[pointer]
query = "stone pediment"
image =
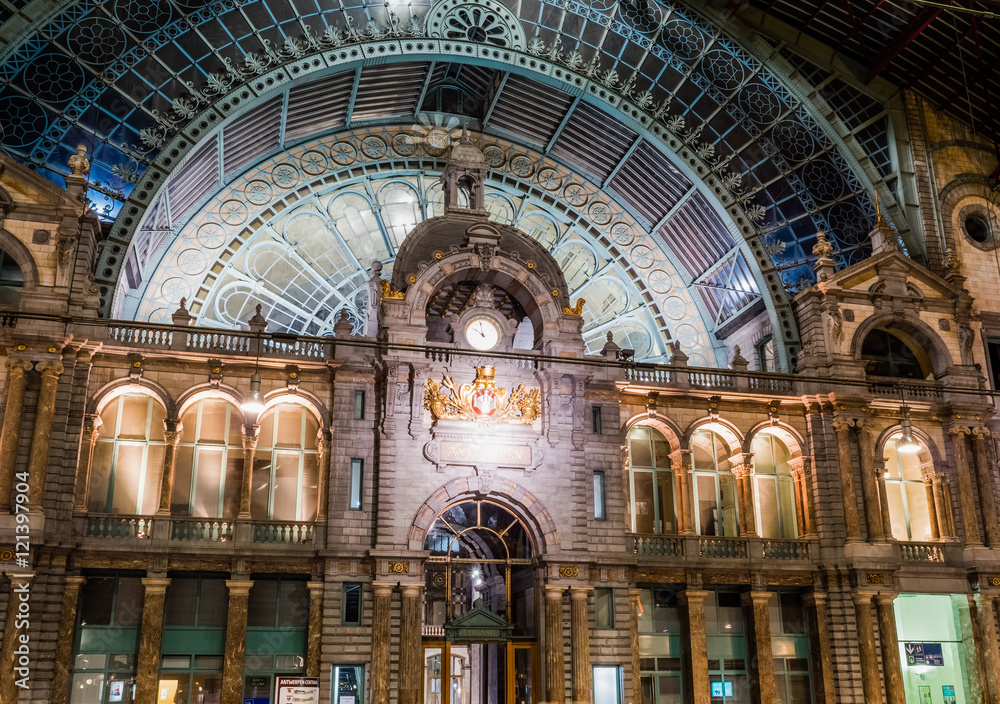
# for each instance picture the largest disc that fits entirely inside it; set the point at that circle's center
(478, 624)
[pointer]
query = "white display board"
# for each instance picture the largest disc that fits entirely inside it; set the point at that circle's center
(295, 689)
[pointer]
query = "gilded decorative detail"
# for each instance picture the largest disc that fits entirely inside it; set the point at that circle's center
(575, 310)
(402, 567)
(569, 572)
(876, 578)
(482, 400)
(387, 291)
(994, 581)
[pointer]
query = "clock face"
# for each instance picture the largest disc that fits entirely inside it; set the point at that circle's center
(482, 333)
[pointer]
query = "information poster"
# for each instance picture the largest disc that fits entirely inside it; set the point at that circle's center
(295, 689)
(948, 690)
(925, 694)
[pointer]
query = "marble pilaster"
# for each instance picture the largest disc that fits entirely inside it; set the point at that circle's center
(870, 485)
(410, 663)
(966, 493)
(250, 438)
(755, 610)
(10, 432)
(381, 630)
(982, 609)
(987, 490)
(852, 523)
(634, 607)
(580, 642)
(891, 671)
(147, 676)
(314, 636)
(63, 658)
(236, 641)
(870, 684)
(818, 621)
(20, 585)
(41, 437)
(694, 658)
(555, 688)
(932, 510)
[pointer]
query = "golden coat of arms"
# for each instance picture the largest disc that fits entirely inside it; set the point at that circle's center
(482, 400)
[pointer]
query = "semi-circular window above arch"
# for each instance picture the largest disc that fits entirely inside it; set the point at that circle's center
(891, 353)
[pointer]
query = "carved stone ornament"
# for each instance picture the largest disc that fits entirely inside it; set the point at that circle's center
(487, 477)
(402, 567)
(481, 401)
(387, 291)
(575, 310)
(569, 572)
(79, 165)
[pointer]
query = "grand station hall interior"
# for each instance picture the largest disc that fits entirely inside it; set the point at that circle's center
(499, 352)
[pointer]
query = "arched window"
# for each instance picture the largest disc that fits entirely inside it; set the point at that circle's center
(128, 458)
(209, 464)
(774, 489)
(479, 550)
(889, 353)
(714, 485)
(286, 465)
(904, 488)
(651, 482)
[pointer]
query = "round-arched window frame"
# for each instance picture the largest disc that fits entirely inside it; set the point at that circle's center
(887, 353)
(978, 224)
(653, 506)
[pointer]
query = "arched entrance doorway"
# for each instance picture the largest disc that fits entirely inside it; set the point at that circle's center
(479, 642)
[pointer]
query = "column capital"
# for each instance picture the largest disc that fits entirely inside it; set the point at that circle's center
(92, 425)
(239, 587)
(74, 582)
(155, 585)
(172, 434)
(250, 436)
(842, 425)
(18, 366)
(634, 594)
(383, 588)
(411, 591)
(580, 591)
(862, 598)
(959, 431)
(315, 587)
(554, 591)
(980, 433)
(691, 596)
(51, 369)
(755, 597)
(883, 598)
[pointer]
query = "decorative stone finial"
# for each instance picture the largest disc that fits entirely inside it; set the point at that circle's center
(343, 327)
(678, 358)
(823, 248)
(739, 362)
(182, 316)
(883, 237)
(951, 261)
(258, 322)
(823, 266)
(79, 164)
(610, 349)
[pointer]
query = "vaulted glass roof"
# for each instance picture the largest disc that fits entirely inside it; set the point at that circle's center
(710, 140)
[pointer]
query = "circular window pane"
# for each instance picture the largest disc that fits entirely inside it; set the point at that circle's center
(977, 227)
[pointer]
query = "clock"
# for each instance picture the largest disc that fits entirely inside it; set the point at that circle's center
(482, 333)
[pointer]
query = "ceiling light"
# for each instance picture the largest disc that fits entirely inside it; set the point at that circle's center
(907, 443)
(252, 404)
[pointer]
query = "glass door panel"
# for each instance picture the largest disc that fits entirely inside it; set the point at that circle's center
(522, 685)
(432, 675)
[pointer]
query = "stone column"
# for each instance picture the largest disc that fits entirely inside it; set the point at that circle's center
(798, 473)
(147, 676)
(315, 634)
(869, 485)
(10, 432)
(942, 505)
(852, 524)
(685, 518)
(890, 649)
(323, 457)
(824, 685)
(694, 657)
(171, 436)
(250, 438)
(555, 666)
(755, 610)
(91, 431)
(870, 684)
(236, 641)
(63, 659)
(633, 625)
(741, 467)
(966, 494)
(410, 669)
(580, 642)
(981, 609)
(41, 437)
(381, 629)
(20, 592)
(987, 491)
(932, 511)
(883, 498)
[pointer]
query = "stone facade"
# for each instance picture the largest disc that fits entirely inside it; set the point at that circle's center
(403, 428)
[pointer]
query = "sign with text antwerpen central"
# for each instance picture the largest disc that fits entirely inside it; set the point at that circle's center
(926, 654)
(295, 689)
(475, 453)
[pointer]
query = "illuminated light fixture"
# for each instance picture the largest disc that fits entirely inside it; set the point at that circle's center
(253, 405)
(907, 444)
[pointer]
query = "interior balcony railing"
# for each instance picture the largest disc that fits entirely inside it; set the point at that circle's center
(184, 530)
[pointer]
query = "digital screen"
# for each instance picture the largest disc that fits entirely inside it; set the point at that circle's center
(722, 689)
